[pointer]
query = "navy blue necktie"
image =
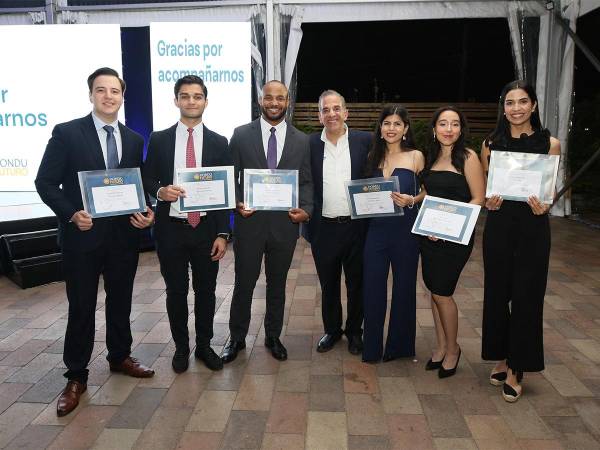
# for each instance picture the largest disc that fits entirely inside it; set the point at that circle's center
(272, 150)
(112, 156)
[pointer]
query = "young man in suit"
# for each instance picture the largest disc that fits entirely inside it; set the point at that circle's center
(266, 143)
(192, 239)
(337, 155)
(107, 246)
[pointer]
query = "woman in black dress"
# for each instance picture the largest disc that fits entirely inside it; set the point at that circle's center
(454, 172)
(516, 250)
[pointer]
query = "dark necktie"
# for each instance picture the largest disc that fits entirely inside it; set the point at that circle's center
(190, 162)
(112, 156)
(272, 150)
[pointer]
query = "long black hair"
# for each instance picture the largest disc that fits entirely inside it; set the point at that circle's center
(459, 151)
(502, 131)
(378, 148)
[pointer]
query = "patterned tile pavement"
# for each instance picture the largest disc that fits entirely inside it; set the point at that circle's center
(313, 400)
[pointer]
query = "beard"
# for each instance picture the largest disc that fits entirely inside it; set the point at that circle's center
(274, 118)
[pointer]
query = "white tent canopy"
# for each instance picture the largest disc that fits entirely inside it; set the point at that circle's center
(282, 28)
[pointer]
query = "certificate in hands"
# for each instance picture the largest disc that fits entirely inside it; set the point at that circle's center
(516, 176)
(206, 189)
(446, 219)
(114, 192)
(270, 189)
(371, 197)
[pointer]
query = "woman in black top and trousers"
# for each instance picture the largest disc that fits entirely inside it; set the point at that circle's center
(516, 250)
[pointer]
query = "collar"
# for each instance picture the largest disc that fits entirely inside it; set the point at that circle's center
(182, 127)
(343, 136)
(267, 126)
(99, 123)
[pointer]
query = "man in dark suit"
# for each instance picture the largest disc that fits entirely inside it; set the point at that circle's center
(337, 155)
(107, 246)
(192, 239)
(267, 143)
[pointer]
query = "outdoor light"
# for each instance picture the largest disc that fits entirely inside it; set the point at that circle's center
(550, 5)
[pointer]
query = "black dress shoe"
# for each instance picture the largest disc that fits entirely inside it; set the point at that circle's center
(445, 373)
(327, 342)
(355, 344)
(209, 357)
(180, 361)
(231, 350)
(277, 349)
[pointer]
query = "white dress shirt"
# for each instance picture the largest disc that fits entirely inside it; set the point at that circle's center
(280, 131)
(181, 138)
(337, 169)
(102, 133)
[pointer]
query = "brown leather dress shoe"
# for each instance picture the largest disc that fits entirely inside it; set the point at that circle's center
(69, 397)
(132, 367)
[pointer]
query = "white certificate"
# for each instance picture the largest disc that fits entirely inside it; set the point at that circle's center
(373, 203)
(445, 219)
(272, 195)
(517, 183)
(436, 221)
(204, 193)
(516, 176)
(115, 198)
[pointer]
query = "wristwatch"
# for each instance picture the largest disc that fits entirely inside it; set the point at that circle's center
(225, 236)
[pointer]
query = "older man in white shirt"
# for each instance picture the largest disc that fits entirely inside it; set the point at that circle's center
(337, 155)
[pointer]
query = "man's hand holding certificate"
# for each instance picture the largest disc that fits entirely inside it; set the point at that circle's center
(518, 176)
(446, 219)
(372, 197)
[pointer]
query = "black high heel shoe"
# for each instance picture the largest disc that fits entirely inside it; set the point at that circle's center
(433, 365)
(445, 373)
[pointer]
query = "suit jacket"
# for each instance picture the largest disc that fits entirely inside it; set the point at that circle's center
(248, 152)
(158, 172)
(359, 143)
(73, 147)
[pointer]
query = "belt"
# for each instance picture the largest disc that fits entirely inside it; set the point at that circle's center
(179, 220)
(339, 219)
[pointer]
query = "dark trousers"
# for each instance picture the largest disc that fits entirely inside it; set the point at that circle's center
(384, 246)
(516, 251)
(249, 254)
(184, 247)
(82, 272)
(340, 246)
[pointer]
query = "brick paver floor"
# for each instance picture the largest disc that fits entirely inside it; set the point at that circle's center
(313, 400)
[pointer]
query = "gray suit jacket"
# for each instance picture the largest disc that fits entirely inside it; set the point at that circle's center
(248, 152)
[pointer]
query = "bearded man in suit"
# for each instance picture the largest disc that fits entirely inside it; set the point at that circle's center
(266, 143)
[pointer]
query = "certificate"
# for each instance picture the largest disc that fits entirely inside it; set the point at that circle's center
(516, 176)
(371, 197)
(270, 189)
(446, 219)
(206, 189)
(113, 192)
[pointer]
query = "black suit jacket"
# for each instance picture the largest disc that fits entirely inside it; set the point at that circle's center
(359, 143)
(73, 147)
(248, 152)
(158, 172)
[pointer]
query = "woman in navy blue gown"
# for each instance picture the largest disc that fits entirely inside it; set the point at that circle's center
(390, 241)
